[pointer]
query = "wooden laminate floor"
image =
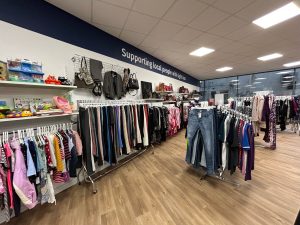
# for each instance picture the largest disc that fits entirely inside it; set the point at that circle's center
(162, 189)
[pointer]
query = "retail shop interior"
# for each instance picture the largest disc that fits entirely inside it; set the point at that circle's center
(150, 112)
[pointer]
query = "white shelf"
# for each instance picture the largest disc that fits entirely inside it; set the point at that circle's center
(35, 85)
(36, 117)
(154, 99)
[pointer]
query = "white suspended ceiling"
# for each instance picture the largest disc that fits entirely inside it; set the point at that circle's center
(171, 29)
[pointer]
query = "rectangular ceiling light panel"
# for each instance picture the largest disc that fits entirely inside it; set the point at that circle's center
(277, 16)
(202, 51)
(297, 63)
(223, 69)
(269, 57)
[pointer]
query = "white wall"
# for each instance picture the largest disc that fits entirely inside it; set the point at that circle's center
(56, 55)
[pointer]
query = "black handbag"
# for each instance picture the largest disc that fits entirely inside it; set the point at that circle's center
(133, 83)
(83, 78)
(146, 89)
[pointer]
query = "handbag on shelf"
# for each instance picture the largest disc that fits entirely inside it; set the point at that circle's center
(133, 83)
(83, 78)
(146, 89)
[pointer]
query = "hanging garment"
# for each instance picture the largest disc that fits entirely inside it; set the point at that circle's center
(201, 120)
(23, 187)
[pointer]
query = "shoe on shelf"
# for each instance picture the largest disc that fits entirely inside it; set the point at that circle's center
(62, 104)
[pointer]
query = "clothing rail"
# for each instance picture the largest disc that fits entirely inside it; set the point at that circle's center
(41, 128)
(97, 174)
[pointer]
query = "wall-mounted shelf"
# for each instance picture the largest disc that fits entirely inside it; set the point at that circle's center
(35, 85)
(164, 92)
(169, 102)
(154, 100)
(36, 117)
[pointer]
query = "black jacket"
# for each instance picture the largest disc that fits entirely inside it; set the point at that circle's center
(113, 85)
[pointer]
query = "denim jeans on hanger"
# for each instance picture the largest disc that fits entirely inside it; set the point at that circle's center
(203, 120)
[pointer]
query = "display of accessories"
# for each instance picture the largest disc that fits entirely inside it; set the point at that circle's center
(52, 80)
(146, 89)
(182, 89)
(64, 81)
(83, 78)
(3, 71)
(24, 71)
(164, 88)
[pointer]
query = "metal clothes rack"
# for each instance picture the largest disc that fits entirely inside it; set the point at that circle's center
(98, 103)
(220, 175)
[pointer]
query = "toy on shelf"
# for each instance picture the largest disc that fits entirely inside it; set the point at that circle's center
(3, 71)
(52, 80)
(25, 71)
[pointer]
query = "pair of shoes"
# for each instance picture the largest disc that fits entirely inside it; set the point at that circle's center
(62, 104)
(52, 80)
(64, 81)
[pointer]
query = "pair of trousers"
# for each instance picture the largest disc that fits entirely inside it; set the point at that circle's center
(202, 120)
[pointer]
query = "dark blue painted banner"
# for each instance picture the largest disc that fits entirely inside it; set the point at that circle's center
(46, 19)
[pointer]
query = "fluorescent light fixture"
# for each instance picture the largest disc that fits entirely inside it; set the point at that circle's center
(285, 72)
(234, 80)
(235, 84)
(270, 57)
(287, 77)
(249, 85)
(277, 16)
(256, 82)
(223, 69)
(260, 78)
(286, 81)
(296, 63)
(202, 51)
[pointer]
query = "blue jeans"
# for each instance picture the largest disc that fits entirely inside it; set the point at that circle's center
(202, 120)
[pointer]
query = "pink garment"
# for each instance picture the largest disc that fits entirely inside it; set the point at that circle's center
(174, 120)
(24, 189)
(8, 154)
(78, 142)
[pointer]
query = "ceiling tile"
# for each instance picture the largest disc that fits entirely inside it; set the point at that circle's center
(124, 3)
(243, 32)
(205, 40)
(78, 8)
(140, 23)
(149, 50)
(186, 35)
(208, 19)
(227, 26)
(155, 8)
(261, 39)
(102, 14)
(183, 11)
(232, 6)
(153, 41)
(111, 30)
(165, 29)
(170, 45)
(132, 37)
